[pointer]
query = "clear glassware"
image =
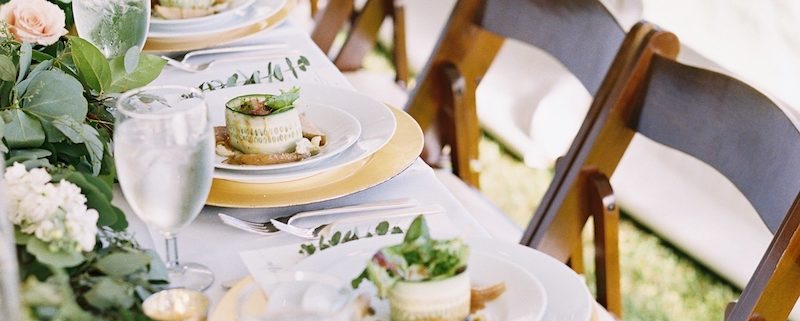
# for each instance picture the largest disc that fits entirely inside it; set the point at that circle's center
(9, 276)
(164, 154)
(297, 296)
(113, 26)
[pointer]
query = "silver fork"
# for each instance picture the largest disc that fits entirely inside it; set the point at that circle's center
(269, 227)
(185, 66)
(325, 229)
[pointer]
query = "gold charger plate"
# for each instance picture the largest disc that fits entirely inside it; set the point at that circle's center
(400, 152)
(170, 44)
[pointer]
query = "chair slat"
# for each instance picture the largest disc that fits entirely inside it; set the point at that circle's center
(729, 126)
(581, 34)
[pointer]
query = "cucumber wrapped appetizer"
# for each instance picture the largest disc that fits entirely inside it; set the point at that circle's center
(424, 279)
(263, 123)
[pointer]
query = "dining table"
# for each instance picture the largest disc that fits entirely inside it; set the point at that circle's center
(222, 248)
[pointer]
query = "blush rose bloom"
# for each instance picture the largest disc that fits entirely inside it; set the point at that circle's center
(34, 21)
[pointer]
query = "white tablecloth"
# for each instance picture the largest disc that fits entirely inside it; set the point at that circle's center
(209, 242)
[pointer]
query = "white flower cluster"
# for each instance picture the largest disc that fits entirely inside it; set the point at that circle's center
(54, 213)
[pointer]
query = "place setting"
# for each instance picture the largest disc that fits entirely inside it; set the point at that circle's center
(183, 25)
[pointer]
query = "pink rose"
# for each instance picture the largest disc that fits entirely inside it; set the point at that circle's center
(34, 21)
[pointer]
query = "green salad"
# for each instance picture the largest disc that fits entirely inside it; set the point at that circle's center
(264, 104)
(417, 259)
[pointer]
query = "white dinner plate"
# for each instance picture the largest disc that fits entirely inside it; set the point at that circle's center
(341, 129)
(236, 8)
(256, 12)
(525, 298)
(377, 127)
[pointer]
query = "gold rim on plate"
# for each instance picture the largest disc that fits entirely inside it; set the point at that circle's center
(400, 152)
(175, 44)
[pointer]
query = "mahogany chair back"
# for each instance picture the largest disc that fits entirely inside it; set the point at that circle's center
(362, 34)
(581, 34)
(713, 117)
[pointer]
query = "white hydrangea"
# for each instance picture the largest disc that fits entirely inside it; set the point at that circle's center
(54, 213)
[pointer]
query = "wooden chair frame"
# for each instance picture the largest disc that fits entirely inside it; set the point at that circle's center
(555, 228)
(466, 50)
(363, 34)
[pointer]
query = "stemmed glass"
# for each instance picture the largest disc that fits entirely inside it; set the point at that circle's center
(164, 151)
(113, 26)
(9, 282)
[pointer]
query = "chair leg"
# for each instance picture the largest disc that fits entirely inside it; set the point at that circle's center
(606, 239)
(399, 44)
(463, 134)
(576, 259)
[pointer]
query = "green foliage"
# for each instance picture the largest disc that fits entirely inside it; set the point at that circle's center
(45, 255)
(53, 114)
(147, 69)
(274, 73)
(338, 238)
(93, 68)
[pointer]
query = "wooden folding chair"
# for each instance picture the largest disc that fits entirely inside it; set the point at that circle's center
(581, 34)
(362, 35)
(712, 117)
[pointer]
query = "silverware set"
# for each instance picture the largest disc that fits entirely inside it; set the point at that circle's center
(269, 51)
(322, 221)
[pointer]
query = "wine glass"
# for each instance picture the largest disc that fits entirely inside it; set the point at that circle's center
(164, 151)
(297, 296)
(9, 278)
(113, 26)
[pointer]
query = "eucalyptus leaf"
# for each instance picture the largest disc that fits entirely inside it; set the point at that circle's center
(277, 73)
(93, 68)
(382, 228)
(131, 59)
(120, 264)
(158, 270)
(108, 293)
(23, 131)
(52, 94)
(21, 155)
(232, 80)
(291, 67)
(36, 163)
(59, 259)
(147, 70)
(82, 133)
(98, 196)
(25, 54)
(69, 127)
(8, 71)
(23, 85)
(94, 146)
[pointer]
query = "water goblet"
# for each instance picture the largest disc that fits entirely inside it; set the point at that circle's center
(164, 152)
(113, 26)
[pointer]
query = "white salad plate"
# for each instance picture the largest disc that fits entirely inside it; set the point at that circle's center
(341, 129)
(536, 285)
(235, 19)
(236, 8)
(377, 122)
